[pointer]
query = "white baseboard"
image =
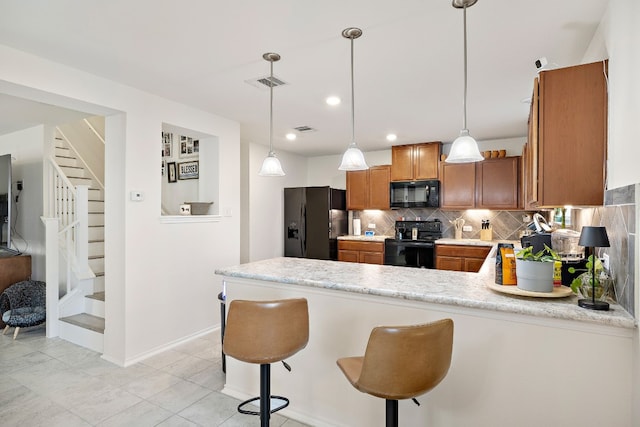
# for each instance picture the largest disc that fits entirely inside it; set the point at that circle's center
(168, 346)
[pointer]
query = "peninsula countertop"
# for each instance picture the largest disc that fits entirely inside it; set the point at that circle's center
(432, 286)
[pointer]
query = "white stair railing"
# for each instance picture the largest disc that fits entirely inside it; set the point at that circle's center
(66, 221)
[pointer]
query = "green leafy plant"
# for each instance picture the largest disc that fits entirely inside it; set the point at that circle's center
(545, 255)
(585, 278)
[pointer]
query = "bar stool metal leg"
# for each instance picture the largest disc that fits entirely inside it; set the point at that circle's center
(392, 413)
(265, 394)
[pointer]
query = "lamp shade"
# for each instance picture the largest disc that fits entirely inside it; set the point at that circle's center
(271, 166)
(464, 149)
(353, 159)
(594, 237)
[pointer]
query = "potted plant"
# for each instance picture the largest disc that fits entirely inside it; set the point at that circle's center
(581, 285)
(534, 270)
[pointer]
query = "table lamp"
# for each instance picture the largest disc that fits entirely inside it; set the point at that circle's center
(593, 237)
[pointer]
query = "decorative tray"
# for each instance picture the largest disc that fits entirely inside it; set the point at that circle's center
(558, 291)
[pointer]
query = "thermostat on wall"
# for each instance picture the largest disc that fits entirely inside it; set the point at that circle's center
(185, 209)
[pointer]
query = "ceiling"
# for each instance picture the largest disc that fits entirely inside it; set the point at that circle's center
(408, 62)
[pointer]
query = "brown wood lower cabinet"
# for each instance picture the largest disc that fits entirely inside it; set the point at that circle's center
(359, 251)
(461, 257)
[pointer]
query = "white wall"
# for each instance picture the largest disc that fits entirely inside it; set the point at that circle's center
(621, 28)
(87, 145)
(160, 277)
(323, 170)
(265, 237)
(26, 149)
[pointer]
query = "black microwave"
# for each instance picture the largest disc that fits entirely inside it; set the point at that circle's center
(415, 194)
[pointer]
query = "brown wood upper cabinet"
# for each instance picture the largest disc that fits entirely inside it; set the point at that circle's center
(415, 162)
(368, 189)
(458, 186)
(498, 183)
(488, 184)
(565, 154)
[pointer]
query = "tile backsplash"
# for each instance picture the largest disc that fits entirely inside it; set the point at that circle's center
(506, 225)
(618, 215)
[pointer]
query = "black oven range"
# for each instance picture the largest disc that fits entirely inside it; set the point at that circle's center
(414, 244)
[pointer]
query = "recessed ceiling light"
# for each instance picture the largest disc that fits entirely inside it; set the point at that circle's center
(333, 100)
(392, 137)
(291, 136)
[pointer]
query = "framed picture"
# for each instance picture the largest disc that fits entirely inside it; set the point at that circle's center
(188, 170)
(189, 147)
(167, 144)
(171, 172)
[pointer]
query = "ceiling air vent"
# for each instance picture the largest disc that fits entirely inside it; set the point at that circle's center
(266, 82)
(305, 129)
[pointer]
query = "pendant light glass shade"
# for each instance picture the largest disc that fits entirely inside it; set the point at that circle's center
(352, 159)
(271, 165)
(464, 149)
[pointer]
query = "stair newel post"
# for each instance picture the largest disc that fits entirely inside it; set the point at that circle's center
(52, 275)
(82, 230)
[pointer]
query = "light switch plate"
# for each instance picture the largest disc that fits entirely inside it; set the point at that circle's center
(467, 228)
(605, 261)
(136, 196)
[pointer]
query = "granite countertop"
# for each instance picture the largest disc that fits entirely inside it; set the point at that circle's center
(475, 242)
(445, 241)
(433, 286)
(363, 238)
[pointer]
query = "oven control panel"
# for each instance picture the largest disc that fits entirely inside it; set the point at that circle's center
(419, 230)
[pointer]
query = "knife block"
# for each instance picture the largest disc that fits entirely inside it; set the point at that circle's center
(486, 234)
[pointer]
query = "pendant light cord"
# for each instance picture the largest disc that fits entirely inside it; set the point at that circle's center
(464, 99)
(353, 100)
(271, 110)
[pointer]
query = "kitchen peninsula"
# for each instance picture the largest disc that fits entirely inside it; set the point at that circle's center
(516, 360)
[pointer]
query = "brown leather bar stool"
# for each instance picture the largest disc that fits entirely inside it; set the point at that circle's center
(264, 332)
(401, 362)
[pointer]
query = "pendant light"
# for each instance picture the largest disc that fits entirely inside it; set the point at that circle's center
(464, 149)
(352, 159)
(271, 165)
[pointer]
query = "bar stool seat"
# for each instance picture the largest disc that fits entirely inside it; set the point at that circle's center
(264, 332)
(401, 362)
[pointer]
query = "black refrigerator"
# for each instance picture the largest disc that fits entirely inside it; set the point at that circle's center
(314, 217)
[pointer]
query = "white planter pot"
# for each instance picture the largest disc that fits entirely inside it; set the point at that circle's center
(534, 276)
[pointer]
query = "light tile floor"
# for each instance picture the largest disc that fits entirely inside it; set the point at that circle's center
(51, 382)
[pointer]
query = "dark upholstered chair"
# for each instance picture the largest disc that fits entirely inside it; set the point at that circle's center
(23, 304)
(264, 332)
(401, 362)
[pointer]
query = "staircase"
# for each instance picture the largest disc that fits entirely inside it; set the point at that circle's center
(82, 311)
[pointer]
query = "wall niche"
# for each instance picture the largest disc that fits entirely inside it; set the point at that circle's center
(190, 173)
